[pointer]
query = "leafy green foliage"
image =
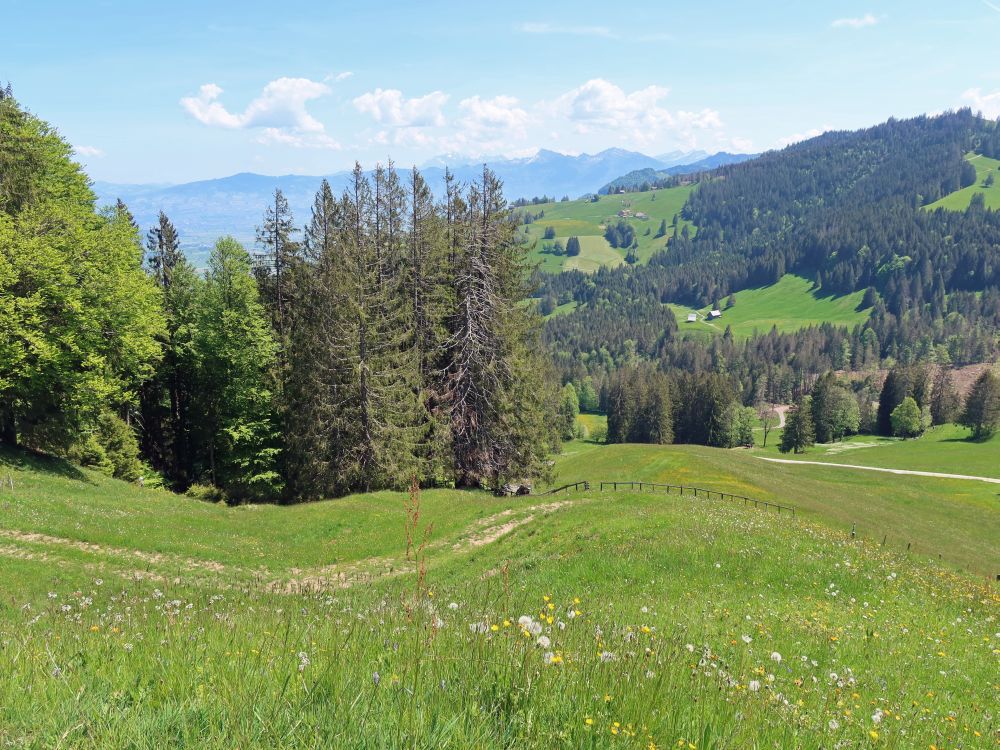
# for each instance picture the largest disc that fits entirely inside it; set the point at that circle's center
(78, 317)
(906, 419)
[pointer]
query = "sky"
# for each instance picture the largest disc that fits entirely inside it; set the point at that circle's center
(179, 91)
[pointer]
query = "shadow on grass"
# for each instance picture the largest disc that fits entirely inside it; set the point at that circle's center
(25, 458)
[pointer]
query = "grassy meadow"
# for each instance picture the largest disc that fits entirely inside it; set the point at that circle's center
(134, 618)
(586, 220)
(945, 449)
(789, 304)
(960, 199)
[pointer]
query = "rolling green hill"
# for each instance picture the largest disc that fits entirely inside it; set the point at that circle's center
(134, 618)
(789, 305)
(960, 199)
(586, 220)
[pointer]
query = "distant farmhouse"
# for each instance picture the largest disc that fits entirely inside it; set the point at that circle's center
(715, 314)
(692, 317)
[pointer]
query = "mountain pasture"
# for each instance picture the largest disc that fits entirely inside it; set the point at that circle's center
(960, 199)
(790, 304)
(587, 220)
(133, 618)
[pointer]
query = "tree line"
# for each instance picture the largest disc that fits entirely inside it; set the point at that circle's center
(384, 341)
(645, 404)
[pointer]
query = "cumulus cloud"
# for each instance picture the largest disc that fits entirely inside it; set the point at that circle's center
(855, 23)
(536, 27)
(501, 114)
(92, 151)
(988, 104)
(640, 116)
(280, 111)
(390, 107)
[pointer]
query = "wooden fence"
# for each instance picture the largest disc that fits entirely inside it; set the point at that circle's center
(698, 492)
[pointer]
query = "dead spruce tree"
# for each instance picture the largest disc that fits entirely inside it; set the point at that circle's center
(495, 388)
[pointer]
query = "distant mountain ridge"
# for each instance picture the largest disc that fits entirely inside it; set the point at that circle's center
(204, 210)
(648, 176)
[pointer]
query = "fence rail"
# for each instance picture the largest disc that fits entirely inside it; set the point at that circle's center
(709, 494)
(572, 487)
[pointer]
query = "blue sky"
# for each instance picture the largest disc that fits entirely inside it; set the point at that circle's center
(177, 91)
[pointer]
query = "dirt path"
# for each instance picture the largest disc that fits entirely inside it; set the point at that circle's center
(910, 472)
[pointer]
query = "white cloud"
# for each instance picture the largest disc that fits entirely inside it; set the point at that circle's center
(788, 140)
(390, 107)
(297, 140)
(855, 23)
(988, 104)
(536, 27)
(742, 145)
(343, 76)
(500, 114)
(992, 5)
(89, 151)
(639, 116)
(280, 111)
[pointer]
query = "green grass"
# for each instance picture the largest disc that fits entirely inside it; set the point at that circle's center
(946, 449)
(960, 199)
(956, 519)
(136, 619)
(586, 220)
(789, 305)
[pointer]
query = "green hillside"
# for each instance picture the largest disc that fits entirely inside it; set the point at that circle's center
(586, 220)
(134, 618)
(789, 305)
(946, 448)
(960, 199)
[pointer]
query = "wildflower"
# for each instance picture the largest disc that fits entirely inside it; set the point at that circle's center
(776, 657)
(524, 621)
(747, 639)
(453, 606)
(56, 672)
(376, 679)
(834, 725)
(754, 686)
(873, 734)
(607, 656)
(494, 627)
(588, 721)
(303, 661)
(543, 641)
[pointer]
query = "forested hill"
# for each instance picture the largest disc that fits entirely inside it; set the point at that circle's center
(846, 210)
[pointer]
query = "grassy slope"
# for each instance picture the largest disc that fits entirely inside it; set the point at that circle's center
(944, 449)
(107, 648)
(960, 199)
(959, 520)
(789, 304)
(584, 219)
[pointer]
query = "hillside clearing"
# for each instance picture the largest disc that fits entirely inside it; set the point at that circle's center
(960, 199)
(788, 305)
(587, 220)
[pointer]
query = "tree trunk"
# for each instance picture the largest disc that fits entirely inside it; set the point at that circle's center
(8, 427)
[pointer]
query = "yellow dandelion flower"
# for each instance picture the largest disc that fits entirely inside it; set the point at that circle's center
(588, 721)
(873, 734)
